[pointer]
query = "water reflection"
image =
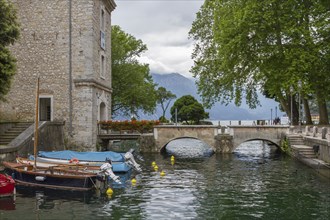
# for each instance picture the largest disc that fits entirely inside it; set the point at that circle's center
(7, 203)
(188, 148)
(229, 186)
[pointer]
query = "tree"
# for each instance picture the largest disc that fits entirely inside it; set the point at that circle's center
(164, 98)
(133, 87)
(9, 33)
(272, 45)
(188, 110)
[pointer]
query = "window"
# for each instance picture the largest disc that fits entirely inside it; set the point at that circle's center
(102, 40)
(102, 66)
(45, 108)
(102, 27)
(102, 20)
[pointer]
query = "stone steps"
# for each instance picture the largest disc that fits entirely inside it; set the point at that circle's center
(305, 151)
(297, 145)
(13, 132)
(295, 140)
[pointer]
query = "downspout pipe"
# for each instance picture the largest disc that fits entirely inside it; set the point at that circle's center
(70, 68)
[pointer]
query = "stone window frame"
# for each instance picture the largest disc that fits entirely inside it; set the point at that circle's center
(102, 18)
(51, 97)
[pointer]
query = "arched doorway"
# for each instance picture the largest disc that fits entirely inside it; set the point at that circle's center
(103, 112)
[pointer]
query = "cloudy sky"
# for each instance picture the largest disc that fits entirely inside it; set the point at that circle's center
(162, 25)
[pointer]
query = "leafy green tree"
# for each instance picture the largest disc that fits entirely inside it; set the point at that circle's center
(9, 33)
(271, 45)
(189, 110)
(164, 98)
(133, 87)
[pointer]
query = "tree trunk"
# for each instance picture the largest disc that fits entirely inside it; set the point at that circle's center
(285, 102)
(295, 112)
(323, 112)
(307, 112)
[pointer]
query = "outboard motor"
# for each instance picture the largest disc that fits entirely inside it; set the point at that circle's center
(106, 169)
(129, 159)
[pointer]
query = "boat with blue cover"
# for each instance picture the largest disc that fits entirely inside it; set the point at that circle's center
(121, 162)
(117, 167)
(89, 156)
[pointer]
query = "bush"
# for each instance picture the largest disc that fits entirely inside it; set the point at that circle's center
(142, 126)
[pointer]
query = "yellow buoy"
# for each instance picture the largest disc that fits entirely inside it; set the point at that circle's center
(156, 168)
(153, 164)
(109, 192)
(162, 173)
(172, 160)
(133, 181)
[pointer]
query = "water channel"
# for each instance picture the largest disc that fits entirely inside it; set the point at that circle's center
(255, 182)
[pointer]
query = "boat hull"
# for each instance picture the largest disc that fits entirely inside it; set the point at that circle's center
(56, 179)
(7, 185)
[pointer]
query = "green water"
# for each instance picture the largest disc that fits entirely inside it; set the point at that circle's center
(256, 182)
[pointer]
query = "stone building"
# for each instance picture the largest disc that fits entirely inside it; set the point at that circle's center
(67, 44)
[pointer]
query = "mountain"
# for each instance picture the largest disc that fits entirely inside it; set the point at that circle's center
(180, 86)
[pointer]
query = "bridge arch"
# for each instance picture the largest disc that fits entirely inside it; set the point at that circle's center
(256, 139)
(162, 148)
(163, 134)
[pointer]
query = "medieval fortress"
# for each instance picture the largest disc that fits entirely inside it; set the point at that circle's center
(67, 44)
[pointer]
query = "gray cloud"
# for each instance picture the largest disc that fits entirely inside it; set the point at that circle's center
(163, 26)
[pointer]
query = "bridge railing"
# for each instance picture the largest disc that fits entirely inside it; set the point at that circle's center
(321, 132)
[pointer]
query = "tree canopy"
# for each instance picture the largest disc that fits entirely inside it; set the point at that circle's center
(278, 47)
(188, 110)
(133, 87)
(9, 33)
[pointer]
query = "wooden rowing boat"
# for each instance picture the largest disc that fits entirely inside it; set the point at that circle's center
(51, 177)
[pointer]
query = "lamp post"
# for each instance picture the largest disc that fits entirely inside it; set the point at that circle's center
(291, 90)
(275, 111)
(299, 100)
(271, 116)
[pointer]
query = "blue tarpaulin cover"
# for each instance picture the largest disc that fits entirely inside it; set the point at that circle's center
(84, 156)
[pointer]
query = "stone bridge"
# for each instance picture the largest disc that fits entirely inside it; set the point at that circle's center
(219, 139)
(273, 134)
(163, 134)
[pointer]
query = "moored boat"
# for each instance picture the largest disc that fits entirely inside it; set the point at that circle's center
(25, 174)
(94, 167)
(7, 185)
(90, 158)
(57, 177)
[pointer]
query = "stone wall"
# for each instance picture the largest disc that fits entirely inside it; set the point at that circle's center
(50, 138)
(323, 152)
(224, 143)
(43, 50)
(147, 143)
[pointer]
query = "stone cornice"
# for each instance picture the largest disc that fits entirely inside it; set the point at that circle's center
(92, 83)
(111, 5)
